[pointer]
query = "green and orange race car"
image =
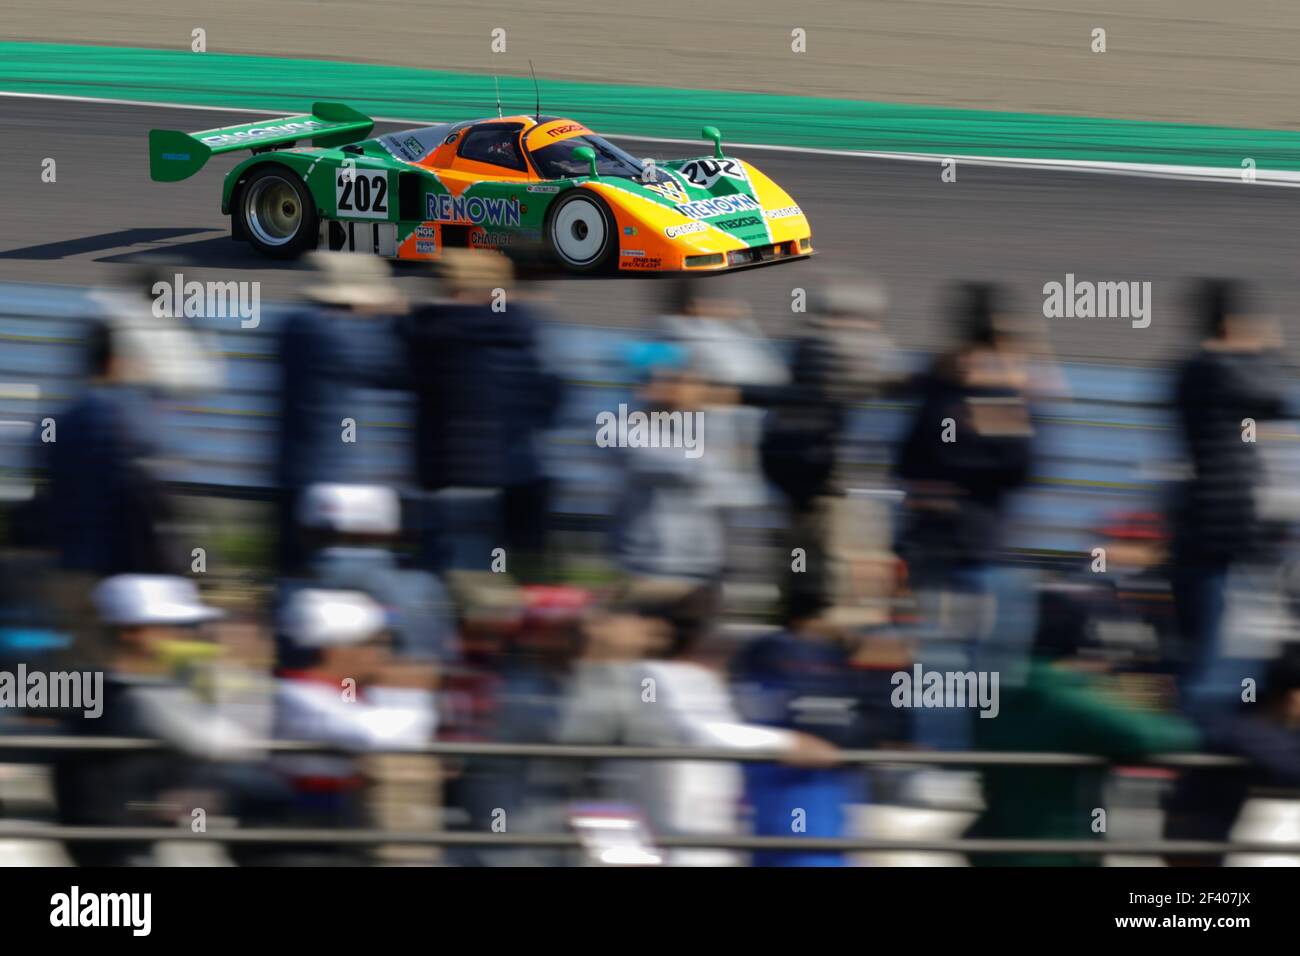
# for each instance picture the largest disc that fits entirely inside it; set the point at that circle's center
(514, 181)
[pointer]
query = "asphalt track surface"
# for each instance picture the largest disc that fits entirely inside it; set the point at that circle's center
(890, 219)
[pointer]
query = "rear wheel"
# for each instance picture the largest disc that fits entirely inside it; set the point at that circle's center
(581, 232)
(277, 214)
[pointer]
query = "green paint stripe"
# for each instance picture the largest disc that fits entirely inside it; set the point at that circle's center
(290, 86)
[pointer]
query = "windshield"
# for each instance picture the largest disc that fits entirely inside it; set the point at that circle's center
(556, 161)
(415, 144)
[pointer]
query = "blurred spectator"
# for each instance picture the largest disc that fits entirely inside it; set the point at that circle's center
(340, 341)
(527, 701)
(344, 688)
(668, 529)
(1065, 705)
(724, 347)
(1266, 732)
(641, 684)
(143, 615)
(1124, 610)
(104, 510)
(802, 678)
(840, 358)
(483, 400)
(969, 447)
(1233, 377)
(350, 534)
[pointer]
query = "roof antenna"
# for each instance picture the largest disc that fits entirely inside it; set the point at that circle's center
(497, 81)
(536, 89)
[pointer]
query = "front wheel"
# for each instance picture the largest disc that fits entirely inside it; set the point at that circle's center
(277, 214)
(581, 232)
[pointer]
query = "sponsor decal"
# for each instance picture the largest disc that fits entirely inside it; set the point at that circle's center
(629, 230)
(426, 232)
(561, 130)
(412, 147)
(635, 253)
(704, 208)
(669, 190)
(685, 229)
(785, 212)
(425, 246)
(475, 209)
(280, 129)
(641, 263)
(740, 222)
(543, 189)
(180, 157)
(361, 195)
(491, 240)
(706, 172)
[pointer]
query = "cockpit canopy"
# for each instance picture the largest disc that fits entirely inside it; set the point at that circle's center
(519, 146)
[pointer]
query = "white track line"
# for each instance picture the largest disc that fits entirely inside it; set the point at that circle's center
(1263, 177)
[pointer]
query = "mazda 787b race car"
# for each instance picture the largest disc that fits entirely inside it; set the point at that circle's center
(516, 181)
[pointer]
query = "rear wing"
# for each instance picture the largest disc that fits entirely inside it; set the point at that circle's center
(174, 155)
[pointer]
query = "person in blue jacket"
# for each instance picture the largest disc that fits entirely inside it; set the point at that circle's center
(803, 678)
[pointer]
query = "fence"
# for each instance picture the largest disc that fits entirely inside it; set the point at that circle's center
(448, 838)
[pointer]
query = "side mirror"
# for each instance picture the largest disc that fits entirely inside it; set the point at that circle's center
(587, 155)
(711, 132)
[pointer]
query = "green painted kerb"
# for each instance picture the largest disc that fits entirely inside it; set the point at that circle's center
(290, 86)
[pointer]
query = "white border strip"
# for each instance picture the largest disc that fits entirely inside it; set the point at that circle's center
(1265, 177)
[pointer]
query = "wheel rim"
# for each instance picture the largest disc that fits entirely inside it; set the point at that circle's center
(579, 231)
(273, 210)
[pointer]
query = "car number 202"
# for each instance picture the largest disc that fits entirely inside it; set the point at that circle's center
(361, 194)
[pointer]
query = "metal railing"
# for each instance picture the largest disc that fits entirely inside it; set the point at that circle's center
(624, 752)
(566, 841)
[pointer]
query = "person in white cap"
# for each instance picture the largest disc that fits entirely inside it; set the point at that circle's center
(340, 342)
(350, 532)
(345, 689)
(147, 602)
(142, 614)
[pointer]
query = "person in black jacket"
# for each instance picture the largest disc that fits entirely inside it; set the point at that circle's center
(339, 342)
(483, 397)
(840, 358)
(104, 510)
(1206, 802)
(1223, 391)
(105, 506)
(969, 447)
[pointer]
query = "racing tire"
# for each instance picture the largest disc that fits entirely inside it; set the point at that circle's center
(581, 232)
(276, 213)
